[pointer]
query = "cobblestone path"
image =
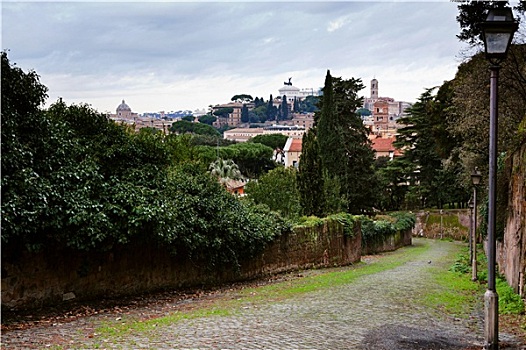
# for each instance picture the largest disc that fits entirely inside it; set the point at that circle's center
(377, 311)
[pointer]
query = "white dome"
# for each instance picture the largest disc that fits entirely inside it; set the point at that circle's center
(123, 107)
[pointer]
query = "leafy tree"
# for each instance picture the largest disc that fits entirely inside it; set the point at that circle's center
(209, 140)
(188, 118)
(363, 112)
(472, 13)
(223, 112)
(259, 102)
(207, 119)
(244, 114)
(392, 184)
(183, 126)
(296, 107)
(259, 113)
(242, 98)
(309, 104)
(430, 158)
(273, 141)
(278, 190)
(253, 159)
(344, 147)
(72, 178)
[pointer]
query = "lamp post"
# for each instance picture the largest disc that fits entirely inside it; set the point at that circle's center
(470, 206)
(475, 179)
(497, 32)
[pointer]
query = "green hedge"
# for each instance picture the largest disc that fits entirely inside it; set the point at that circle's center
(375, 231)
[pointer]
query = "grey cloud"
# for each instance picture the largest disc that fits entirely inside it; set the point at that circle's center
(170, 41)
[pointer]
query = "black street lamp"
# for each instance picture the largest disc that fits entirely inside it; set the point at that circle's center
(470, 206)
(497, 31)
(475, 180)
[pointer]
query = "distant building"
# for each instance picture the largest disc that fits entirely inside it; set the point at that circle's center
(294, 131)
(291, 92)
(234, 118)
(390, 109)
(383, 147)
(124, 115)
(304, 120)
(292, 152)
(242, 134)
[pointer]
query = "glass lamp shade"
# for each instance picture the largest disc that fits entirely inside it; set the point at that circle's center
(497, 43)
(476, 177)
(497, 32)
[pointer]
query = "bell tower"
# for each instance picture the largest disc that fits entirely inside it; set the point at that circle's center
(374, 89)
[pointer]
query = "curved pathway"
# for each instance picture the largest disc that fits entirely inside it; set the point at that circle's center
(377, 311)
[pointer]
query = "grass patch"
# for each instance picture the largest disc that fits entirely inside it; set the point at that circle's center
(454, 293)
(510, 303)
(266, 294)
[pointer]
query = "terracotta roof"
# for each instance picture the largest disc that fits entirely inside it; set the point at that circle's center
(235, 184)
(383, 144)
(295, 145)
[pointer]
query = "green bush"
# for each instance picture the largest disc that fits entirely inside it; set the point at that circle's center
(375, 231)
(72, 178)
(348, 221)
(509, 301)
(310, 221)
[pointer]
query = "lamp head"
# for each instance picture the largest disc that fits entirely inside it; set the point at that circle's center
(497, 33)
(476, 177)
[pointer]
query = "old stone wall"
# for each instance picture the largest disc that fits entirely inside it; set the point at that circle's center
(452, 224)
(511, 251)
(34, 279)
(390, 243)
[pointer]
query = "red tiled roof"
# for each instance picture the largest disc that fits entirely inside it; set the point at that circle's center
(383, 144)
(295, 145)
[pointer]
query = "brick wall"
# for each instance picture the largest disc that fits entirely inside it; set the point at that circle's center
(34, 279)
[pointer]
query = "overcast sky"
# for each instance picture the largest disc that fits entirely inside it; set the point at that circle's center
(168, 56)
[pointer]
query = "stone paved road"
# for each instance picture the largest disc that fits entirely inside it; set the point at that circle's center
(378, 311)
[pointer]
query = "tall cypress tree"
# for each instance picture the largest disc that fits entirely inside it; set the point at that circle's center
(310, 179)
(344, 148)
(284, 108)
(270, 109)
(244, 114)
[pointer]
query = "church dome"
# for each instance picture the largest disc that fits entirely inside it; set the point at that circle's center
(123, 107)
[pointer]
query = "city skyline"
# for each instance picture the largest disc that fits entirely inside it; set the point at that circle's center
(189, 55)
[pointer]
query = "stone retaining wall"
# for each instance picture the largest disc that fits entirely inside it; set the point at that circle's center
(511, 251)
(35, 279)
(428, 224)
(390, 243)
(49, 278)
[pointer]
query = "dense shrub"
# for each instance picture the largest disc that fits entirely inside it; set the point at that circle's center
(278, 190)
(374, 232)
(348, 221)
(72, 178)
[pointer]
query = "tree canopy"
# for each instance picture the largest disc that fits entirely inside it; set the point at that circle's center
(273, 141)
(474, 12)
(72, 178)
(343, 149)
(183, 126)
